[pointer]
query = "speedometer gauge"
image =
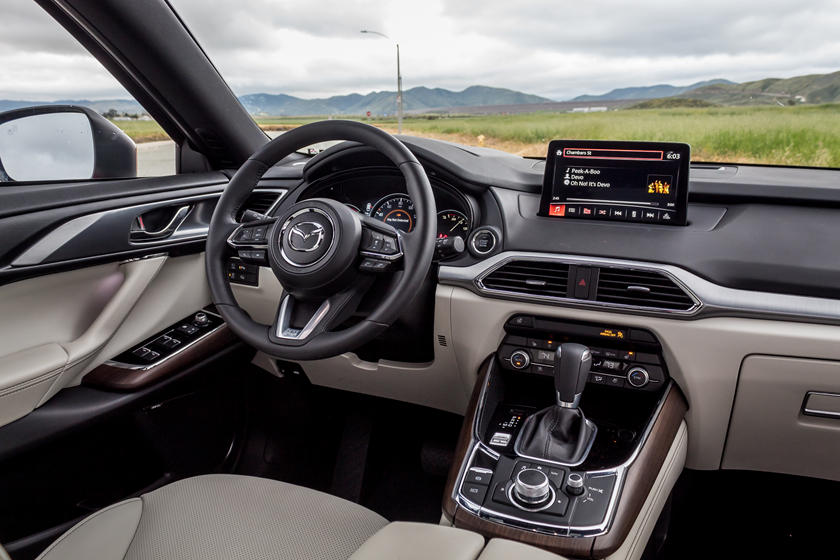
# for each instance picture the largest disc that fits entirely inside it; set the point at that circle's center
(396, 210)
(451, 223)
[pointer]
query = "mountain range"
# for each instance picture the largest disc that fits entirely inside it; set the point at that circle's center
(416, 99)
(649, 92)
(813, 88)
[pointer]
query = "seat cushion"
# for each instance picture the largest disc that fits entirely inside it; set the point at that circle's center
(221, 516)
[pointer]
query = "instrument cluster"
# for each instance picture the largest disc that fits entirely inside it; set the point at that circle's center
(382, 195)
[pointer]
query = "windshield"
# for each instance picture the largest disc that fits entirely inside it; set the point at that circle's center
(746, 82)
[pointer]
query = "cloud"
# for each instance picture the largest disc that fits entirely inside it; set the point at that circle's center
(555, 49)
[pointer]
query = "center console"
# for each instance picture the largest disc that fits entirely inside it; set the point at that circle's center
(569, 426)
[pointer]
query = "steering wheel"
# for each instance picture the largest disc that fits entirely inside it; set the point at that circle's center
(325, 255)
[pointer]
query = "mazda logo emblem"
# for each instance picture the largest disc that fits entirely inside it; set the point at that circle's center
(306, 236)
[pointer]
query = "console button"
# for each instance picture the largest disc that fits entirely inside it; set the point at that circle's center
(615, 381)
(544, 356)
(666, 217)
(583, 276)
(650, 216)
(587, 211)
(572, 210)
(479, 476)
(602, 212)
(556, 476)
(634, 215)
(591, 507)
(521, 321)
(559, 505)
(474, 492)
(542, 369)
(500, 494)
(618, 213)
(598, 378)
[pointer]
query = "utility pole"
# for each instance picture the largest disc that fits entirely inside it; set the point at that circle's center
(399, 79)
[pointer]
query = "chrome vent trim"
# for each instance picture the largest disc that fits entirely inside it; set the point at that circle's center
(643, 288)
(483, 287)
(548, 279)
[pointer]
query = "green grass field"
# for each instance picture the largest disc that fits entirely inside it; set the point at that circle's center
(801, 135)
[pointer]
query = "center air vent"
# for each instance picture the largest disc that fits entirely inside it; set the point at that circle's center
(261, 202)
(641, 288)
(530, 277)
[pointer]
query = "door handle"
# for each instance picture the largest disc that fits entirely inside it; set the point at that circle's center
(141, 234)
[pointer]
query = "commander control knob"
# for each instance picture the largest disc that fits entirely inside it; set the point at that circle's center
(638, 377)
(201, 319)
(520, 359)
(574, 484)
(531, 487)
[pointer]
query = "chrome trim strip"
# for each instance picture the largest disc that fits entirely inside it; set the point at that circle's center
(713, 299)
(817, 412)
(133, 367)
(56, 239)
(285, 313)
(548, 528)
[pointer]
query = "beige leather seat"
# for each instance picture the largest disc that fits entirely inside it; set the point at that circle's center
(222, 517)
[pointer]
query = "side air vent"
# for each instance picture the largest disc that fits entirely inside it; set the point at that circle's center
(536, 278)
(641, 288)
(260, 201)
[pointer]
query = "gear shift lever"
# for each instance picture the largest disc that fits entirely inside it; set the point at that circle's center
(571, 370)
(561, 433)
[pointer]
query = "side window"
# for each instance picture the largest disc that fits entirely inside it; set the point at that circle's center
(62, 115)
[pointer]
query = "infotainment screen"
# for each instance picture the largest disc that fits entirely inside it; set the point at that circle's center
(621, 181)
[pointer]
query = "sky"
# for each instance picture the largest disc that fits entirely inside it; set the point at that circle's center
(553, 48)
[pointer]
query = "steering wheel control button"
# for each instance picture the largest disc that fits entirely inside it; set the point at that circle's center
(638, 377)
(531, 487)
(374, 265)
(520, 359)
(574, 484)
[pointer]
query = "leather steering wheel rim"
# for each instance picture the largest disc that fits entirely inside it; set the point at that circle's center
(418, 246)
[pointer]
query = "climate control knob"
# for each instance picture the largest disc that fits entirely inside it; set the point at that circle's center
(520, 359)
(638, 377)
(531, 487)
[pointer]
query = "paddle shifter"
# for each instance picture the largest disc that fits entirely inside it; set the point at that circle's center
(561, 433)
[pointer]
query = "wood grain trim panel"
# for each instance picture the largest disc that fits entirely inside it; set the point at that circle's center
(463, 446)
(114, 378)
(638, 483)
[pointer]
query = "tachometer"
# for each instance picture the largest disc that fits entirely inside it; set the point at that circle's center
(451, 223)
(396, 210)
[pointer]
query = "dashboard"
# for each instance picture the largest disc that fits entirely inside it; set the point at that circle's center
(381, 194)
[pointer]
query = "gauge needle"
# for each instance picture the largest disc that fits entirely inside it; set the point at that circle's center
(456, 225)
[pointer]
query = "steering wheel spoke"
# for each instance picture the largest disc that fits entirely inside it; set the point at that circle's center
(299, 321)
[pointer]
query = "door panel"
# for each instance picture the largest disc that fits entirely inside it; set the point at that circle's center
(60, 322)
